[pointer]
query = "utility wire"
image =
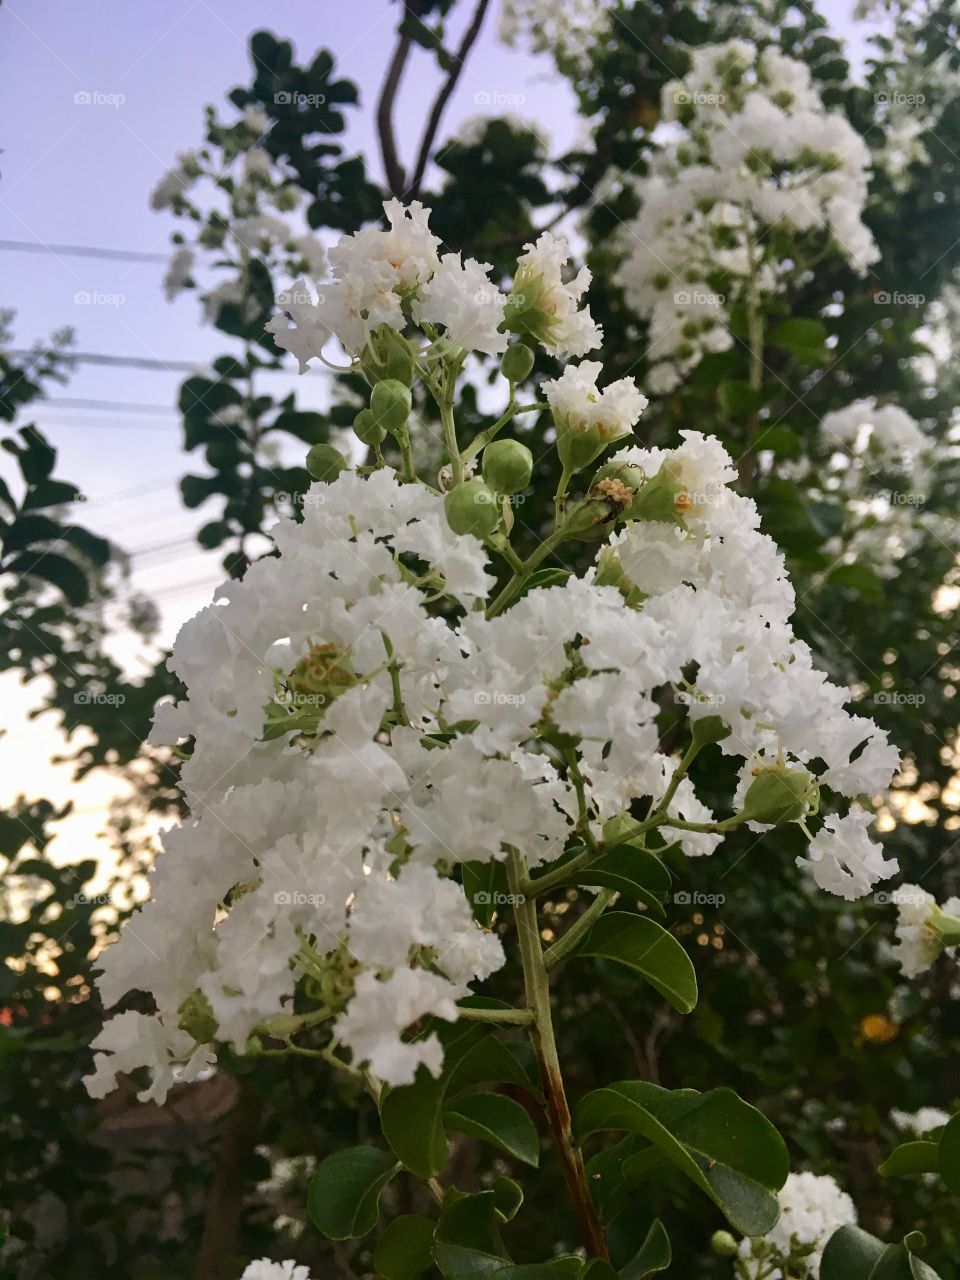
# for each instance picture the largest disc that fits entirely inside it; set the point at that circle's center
(139, 362)
(82, 251)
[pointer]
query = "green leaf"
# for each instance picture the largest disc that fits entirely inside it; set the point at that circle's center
(487, 1061)
(27, 531)
(722, 1144)
(468, 1245)
(60, 572)
(507, 1197)
(910, 1158)
(405, 1248)
(410, 1117)
(802, 337)
(648, 949)
(949, 1154)
(899, 1262)
(632, 871)
(498, 1120)
(654, 1254)
(738, 399)
(850, 1254)
(344, 1194)
(568, 1265)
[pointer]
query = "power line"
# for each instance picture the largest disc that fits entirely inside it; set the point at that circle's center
(139, 362)
(114, 406)
(82, 251)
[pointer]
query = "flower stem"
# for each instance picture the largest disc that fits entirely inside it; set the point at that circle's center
(553, 955)
(537, 985)
(515, 1017)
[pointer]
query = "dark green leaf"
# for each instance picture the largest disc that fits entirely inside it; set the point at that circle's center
(722, 1144)
(344, 1195)
(648, 949)
(850, 1254)
(654, 1254)
(949, 1154)
(405, 1248)
(496, 1119)
(633, 871)
(910, 1158)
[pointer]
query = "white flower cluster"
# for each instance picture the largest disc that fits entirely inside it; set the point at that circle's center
(925, 1120)
(812, 1208)
(567, 31)
(356, 726)
(264, 1269)
(377, 274)
(883, 431)
(756, 151)
(918, 943)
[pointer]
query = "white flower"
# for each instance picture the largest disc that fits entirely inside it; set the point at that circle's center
(582, 409)
(178, 272)
(381, 1010)
(919, 1122)
(812, 1208)
(918, 945)
(264, 1269)
(546, 306)
(843, 860)
(461, 297)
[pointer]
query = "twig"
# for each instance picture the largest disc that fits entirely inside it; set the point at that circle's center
(443, 97)
(388, 142)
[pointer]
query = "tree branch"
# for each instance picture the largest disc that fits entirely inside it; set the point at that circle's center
(443, 97)
(396, 179)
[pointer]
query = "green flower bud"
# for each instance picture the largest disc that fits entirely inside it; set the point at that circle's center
(368, 430)
(282, 1026)
(661, 500)
(324, 462)
(507, 466)
(780, 794)
(591, 519)
(196, 1018)
(390, 403)
(387, 355)
(723, 1244)
(516, 363)
(324, 673)
(472, 507)
(709, 729)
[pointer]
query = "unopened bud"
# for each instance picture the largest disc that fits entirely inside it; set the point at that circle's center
(660, 500)
(517, 362)
(472, 507)
(507, 466)
(723, 1244)
(324, 462)
(779, 794)
(390, 404)
(387, 355)
(368, 429)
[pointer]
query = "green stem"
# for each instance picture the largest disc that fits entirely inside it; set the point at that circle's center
(519, 579)
(483, 438)
(542, 883)
(553, 955)
(450, 439)
(559, 498)
(537, 985)
(512, 1017)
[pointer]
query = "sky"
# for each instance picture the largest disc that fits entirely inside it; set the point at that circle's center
(98, 99)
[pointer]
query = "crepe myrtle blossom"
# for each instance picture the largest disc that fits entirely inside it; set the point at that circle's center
(812, 1208)
(758, 178)
(264, 1269)
(924, 929)
(395, 276)
(925, 1120)
(366, 714)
